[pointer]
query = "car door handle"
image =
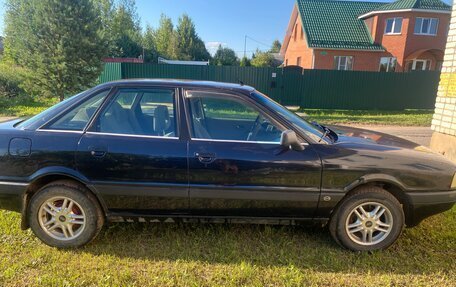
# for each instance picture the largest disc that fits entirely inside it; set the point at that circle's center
(205, 157)
(98, 151)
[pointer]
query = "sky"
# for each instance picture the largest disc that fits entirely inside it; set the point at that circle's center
(226, 22)
(221, 22)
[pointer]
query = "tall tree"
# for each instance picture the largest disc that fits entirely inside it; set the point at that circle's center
(1, 45)
(17, 41)
(106, 10)
(164, 38)
(125, 31)
(189, 44)
(59, 40)
(276, 46)
(225, 57)
(149, 44)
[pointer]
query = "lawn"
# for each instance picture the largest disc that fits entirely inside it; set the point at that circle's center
(400, 118)
(24, 107)
(228, 255)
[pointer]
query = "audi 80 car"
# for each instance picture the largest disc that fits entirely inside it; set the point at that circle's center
(187, 151)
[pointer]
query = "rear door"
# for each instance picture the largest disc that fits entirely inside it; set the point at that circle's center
(237, 166)
(133, 153)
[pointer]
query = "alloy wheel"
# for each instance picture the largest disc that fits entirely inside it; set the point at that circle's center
(62, 218)
(369, 223)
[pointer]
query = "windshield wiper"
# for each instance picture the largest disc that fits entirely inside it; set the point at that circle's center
(327, 132)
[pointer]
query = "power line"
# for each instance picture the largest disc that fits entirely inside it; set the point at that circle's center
(254, 40)
(261, 43)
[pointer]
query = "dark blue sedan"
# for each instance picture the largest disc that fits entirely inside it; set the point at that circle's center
(166, 151)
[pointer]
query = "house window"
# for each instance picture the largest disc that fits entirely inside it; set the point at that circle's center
(388, 64)
(302, 34)
(438, 65)
(298, 61)
(426, 26)
(421, 65)
(295, 32)
(393, 26)
(344, 63)
(286, 62)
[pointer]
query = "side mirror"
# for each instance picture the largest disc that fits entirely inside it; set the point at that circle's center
(290, 140)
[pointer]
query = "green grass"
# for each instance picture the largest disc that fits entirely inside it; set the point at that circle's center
(24, 107)
(401, 118)
(29, 107)
(227, 255)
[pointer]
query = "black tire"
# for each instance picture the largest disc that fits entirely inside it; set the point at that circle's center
(363, 197)
(85, 200)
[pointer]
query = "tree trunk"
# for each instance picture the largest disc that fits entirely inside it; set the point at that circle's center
(61, 96)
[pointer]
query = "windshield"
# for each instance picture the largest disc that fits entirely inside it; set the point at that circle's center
(46, 115)
(298, 122)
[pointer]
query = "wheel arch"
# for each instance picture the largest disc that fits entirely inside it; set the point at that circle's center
(386, 182)
(44, 177)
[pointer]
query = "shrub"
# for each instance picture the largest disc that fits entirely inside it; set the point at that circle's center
(11, 82)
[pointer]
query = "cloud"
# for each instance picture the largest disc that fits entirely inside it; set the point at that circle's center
(213, 46)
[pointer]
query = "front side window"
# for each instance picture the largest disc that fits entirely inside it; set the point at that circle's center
(221, 117)
(393, 26)
(426, 26)
(388, 64)
(148, 111)
(343, 63)
(77, 118)
(298, 122)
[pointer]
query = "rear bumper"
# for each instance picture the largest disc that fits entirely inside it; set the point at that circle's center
(11, 194)
(425, 204)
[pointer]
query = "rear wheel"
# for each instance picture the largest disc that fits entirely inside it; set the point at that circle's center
(368, 219)
(65, 215)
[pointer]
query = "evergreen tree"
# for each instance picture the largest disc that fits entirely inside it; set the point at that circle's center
(59, 40)
(18, 42)
(149, 45)
(164, 38)
(189, 45)
(276, 46)
(125, 31)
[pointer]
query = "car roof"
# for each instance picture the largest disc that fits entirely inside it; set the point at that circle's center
(180, 84)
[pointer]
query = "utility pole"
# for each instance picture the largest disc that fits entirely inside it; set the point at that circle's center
(245, 46)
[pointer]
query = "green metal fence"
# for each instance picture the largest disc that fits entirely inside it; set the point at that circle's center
(312, 89)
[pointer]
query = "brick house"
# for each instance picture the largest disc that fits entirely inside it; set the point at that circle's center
(399, 36)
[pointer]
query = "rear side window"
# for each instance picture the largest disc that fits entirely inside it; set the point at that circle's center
(149, 112)
(77, 118)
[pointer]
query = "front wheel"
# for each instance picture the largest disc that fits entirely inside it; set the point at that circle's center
(369, 219)
(65, 215)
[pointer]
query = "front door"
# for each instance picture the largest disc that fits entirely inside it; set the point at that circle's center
(237, 166)
(132, 153)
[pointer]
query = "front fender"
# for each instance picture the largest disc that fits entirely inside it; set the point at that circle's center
(375, 177)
